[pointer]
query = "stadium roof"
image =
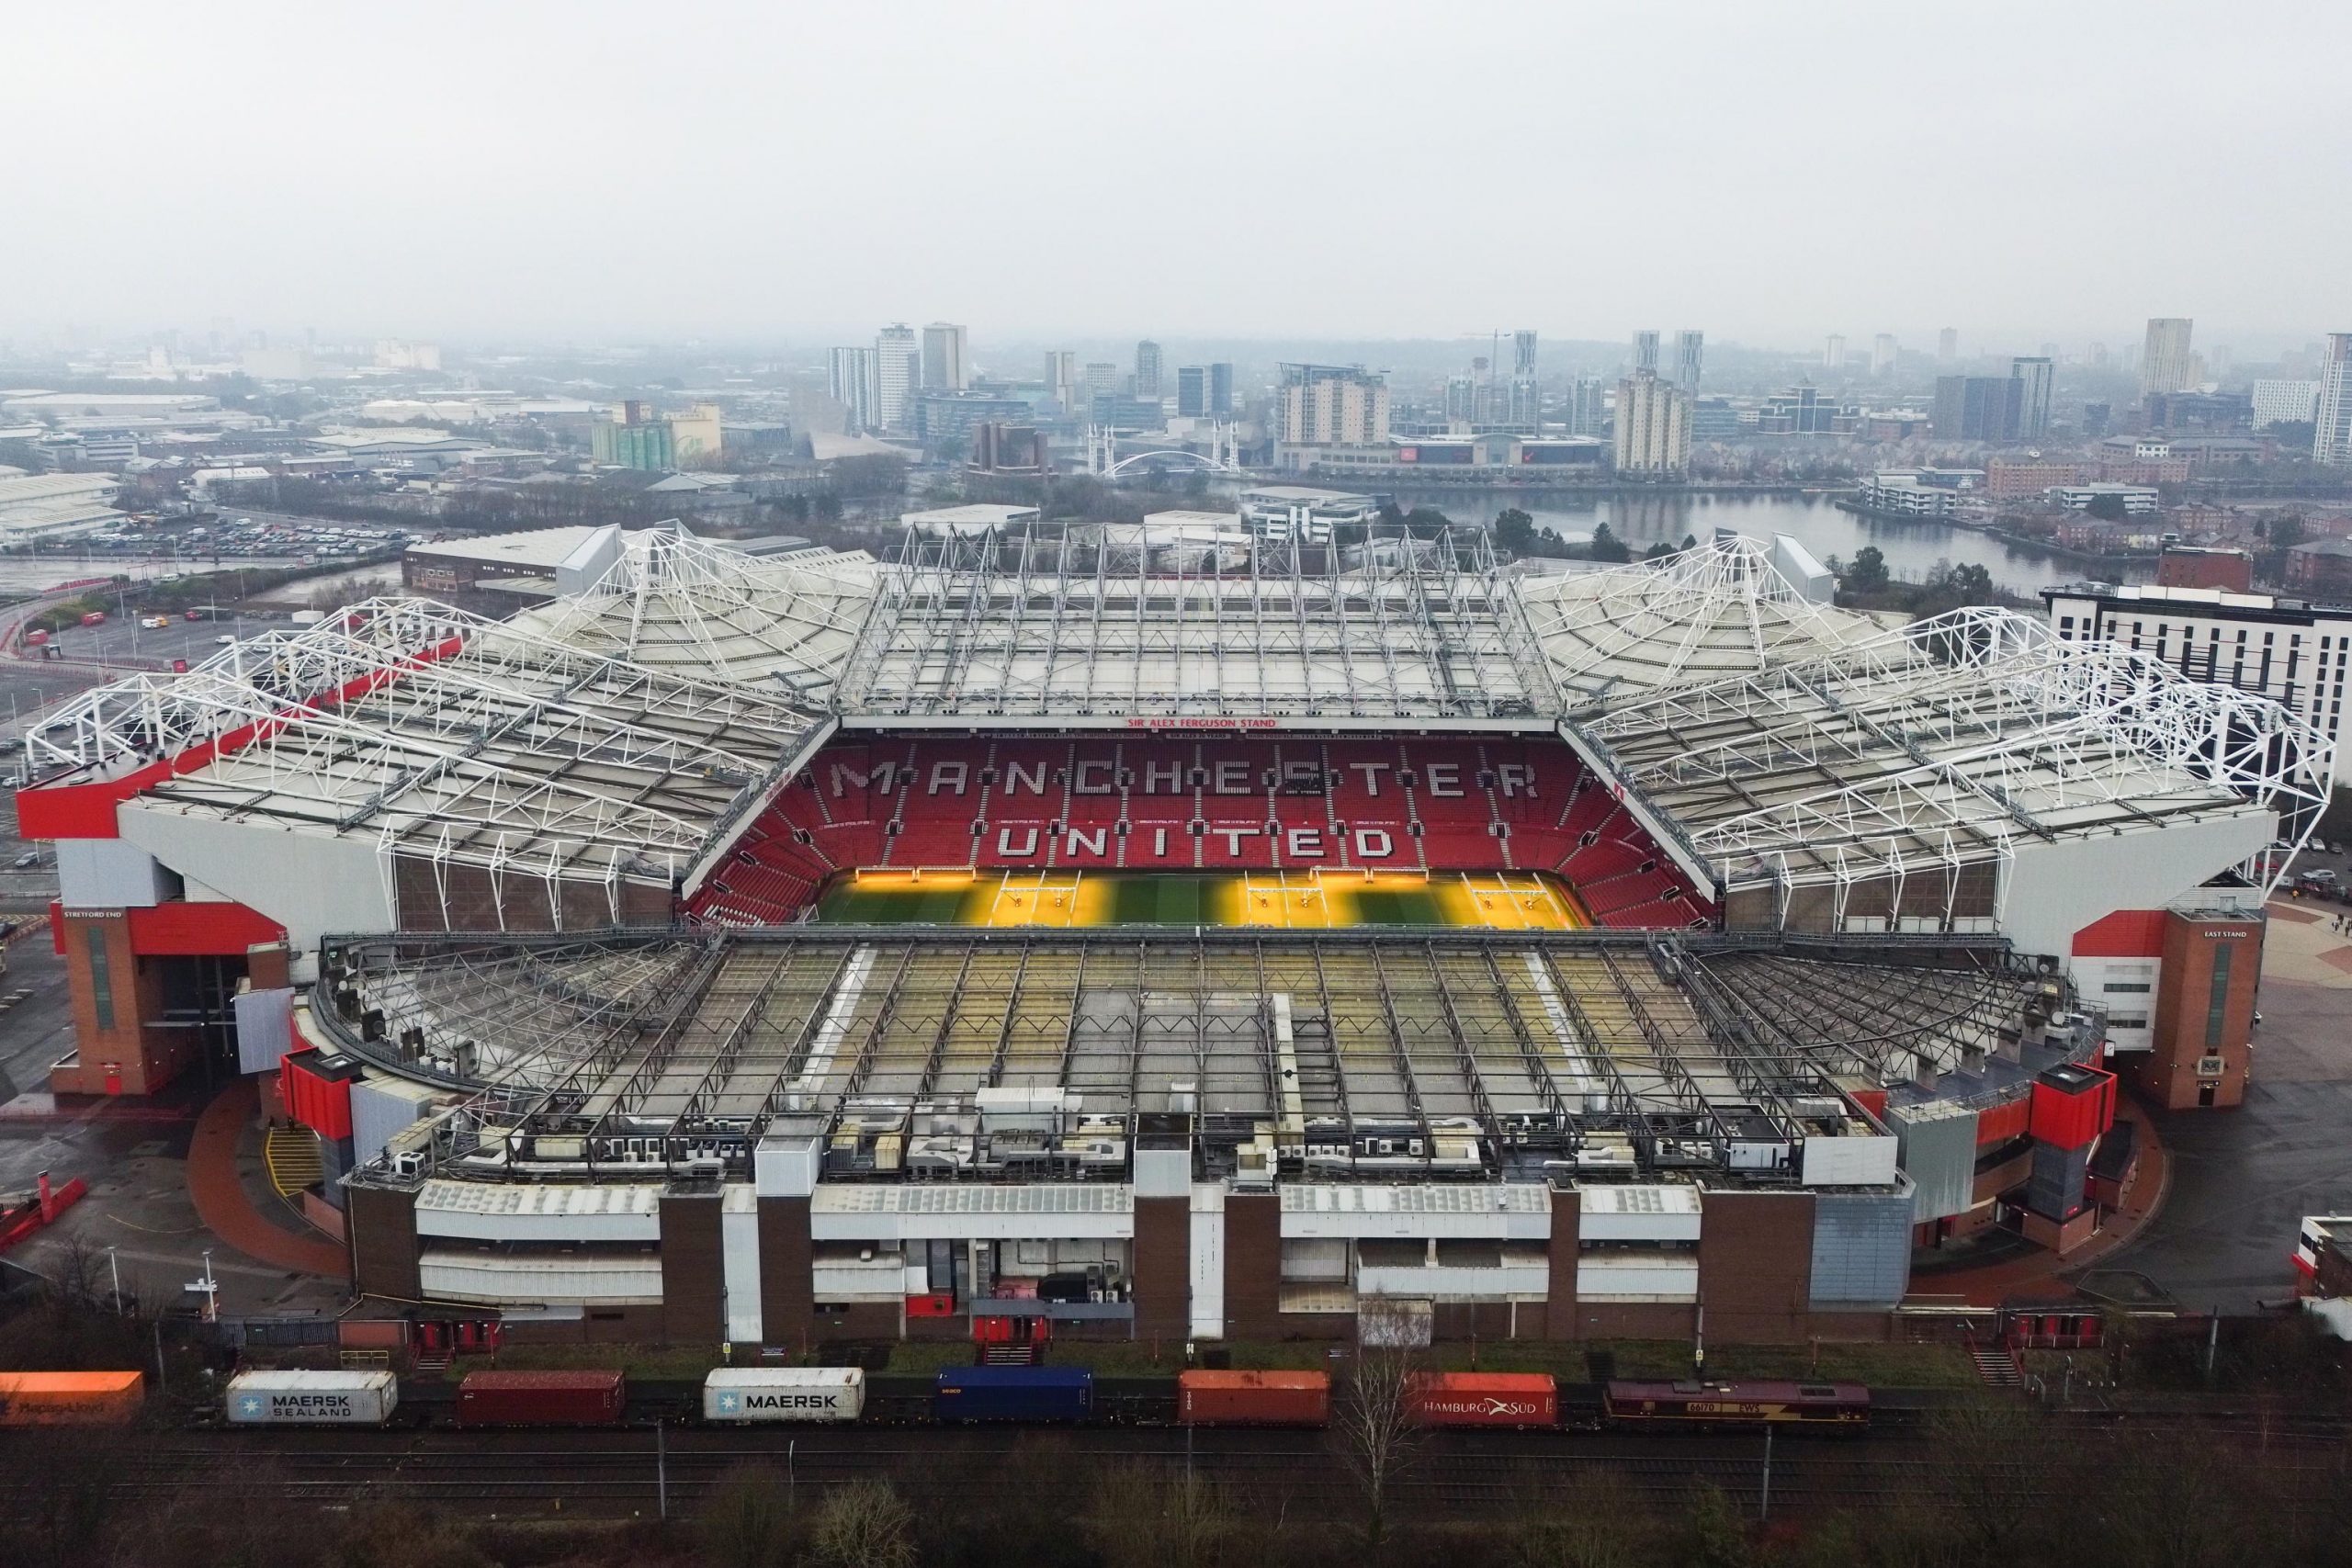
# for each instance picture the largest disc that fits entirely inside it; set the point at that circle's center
(1082, 626)
(702, 610)
(440, 735)
(1538, 1046)
(1719, 608)
(1949, 740)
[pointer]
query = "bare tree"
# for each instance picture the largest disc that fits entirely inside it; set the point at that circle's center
(1146, 1520)
(748, 1520)
(1373, 1424)
(864, 1525)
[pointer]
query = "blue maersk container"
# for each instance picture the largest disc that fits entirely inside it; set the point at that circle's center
(1013, 1393)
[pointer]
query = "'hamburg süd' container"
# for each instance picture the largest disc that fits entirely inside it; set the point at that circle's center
(337, 1399)
(1013, 1393)
(1209, 1398)
(784, 1394)
(541, 1399)
(1485, 1399)
(70, 1399)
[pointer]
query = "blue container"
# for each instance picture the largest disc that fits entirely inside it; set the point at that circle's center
(1013, 1393)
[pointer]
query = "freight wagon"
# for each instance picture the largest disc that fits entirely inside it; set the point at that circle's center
(1253, 1398)
(71, 1399)
(331, 1399)
(541, 1399)
(1013, 1393)
(1483, 1399)
(1718, 1404)
(784, 1394)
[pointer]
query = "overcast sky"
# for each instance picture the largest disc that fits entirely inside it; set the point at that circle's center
(806, 171)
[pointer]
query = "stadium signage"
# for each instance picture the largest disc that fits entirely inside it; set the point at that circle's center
(1178, 723)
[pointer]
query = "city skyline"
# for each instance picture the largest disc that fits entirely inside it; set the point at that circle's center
(434, 251)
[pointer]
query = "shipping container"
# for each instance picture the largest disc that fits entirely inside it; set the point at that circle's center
(70, 1399)
(1485, 1399)
(784, 1394)
(541, 1399)
(1013, 1393)
(340, 1399)
(1205, 1398)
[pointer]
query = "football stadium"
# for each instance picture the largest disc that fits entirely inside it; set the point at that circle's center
(1140, 934)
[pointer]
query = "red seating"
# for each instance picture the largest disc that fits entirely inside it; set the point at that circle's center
(1469, 803)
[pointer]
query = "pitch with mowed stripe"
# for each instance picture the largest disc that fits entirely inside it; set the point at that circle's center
(1297, 899)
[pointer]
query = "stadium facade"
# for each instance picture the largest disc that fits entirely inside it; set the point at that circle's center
(1150, 934)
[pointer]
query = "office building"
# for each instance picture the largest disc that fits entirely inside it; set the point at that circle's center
(1191, 392)
(943, 365)
(1461, 400)
(1588, 406)
(1101, 380)
(1690, 352)
(1653, 428)
(1646, 353)
(852, 385)
(941, 416)
(2332, 416)
(2284, 402)
(2165, 362)
(1883, 355)
(1947, 345)
(897, 371)
(1017, 451)
(1221, 388)
(1977, 408)
(1331, 405)
(2034, 375)
(1061, 378)
(1833, 354)
(1800, 411)
(1117, 411)
(1147, 369)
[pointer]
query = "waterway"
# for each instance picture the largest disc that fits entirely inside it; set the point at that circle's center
(1913, 549)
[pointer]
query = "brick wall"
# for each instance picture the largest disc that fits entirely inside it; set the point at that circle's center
(693, 1269)
(381, 1228)
(1163, 1258)
(787, 1278)
(1755, 1265)
(1253, 1265)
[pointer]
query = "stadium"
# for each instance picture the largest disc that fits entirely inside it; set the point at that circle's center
(1056, 930)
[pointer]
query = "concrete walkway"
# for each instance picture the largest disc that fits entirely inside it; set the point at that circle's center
(225, 1206)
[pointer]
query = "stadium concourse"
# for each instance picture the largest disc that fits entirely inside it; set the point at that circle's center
(1062, 930)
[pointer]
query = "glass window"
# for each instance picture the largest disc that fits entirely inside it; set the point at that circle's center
(101, 977)
(2217, 1003)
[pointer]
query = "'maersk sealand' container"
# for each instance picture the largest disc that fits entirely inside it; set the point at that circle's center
(784, 1394)
(1485, 1399)
(338, 1399)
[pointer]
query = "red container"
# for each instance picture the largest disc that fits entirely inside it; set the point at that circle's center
(1485, 1399)
(541, 1399)
(35, 638)
(1253, 1398)
(2072, 1105)
(316, 1087)
(95, 618)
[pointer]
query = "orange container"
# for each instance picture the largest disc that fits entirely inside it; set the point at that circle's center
(1207, 1398)
(71, 1399)
(1485, 1399)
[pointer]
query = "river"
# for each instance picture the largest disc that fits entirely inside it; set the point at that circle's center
(1912, 550)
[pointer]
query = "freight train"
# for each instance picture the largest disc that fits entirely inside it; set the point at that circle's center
(1027, 1395)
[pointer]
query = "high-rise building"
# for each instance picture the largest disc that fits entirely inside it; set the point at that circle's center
(1147, 369)
(1191, 390)
(2165, 356)
(2034, 375)
(1061, 378)
(853, 385)
(1644, 353)
(1101, 380)
(1833, 354)
(1653, 427)
(1947, 345)
(1525, 410)
(897, 371)
(1522, 353)
(1977, 408)
(1221, 386)
(2332, 425)
(1883, 355)
(1690, 353)
(943, 368)
(1588, 408)
(1331, 405)
(2284, 402)
(1461, 398)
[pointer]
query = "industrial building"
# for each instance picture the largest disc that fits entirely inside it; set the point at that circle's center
(1212, 931)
